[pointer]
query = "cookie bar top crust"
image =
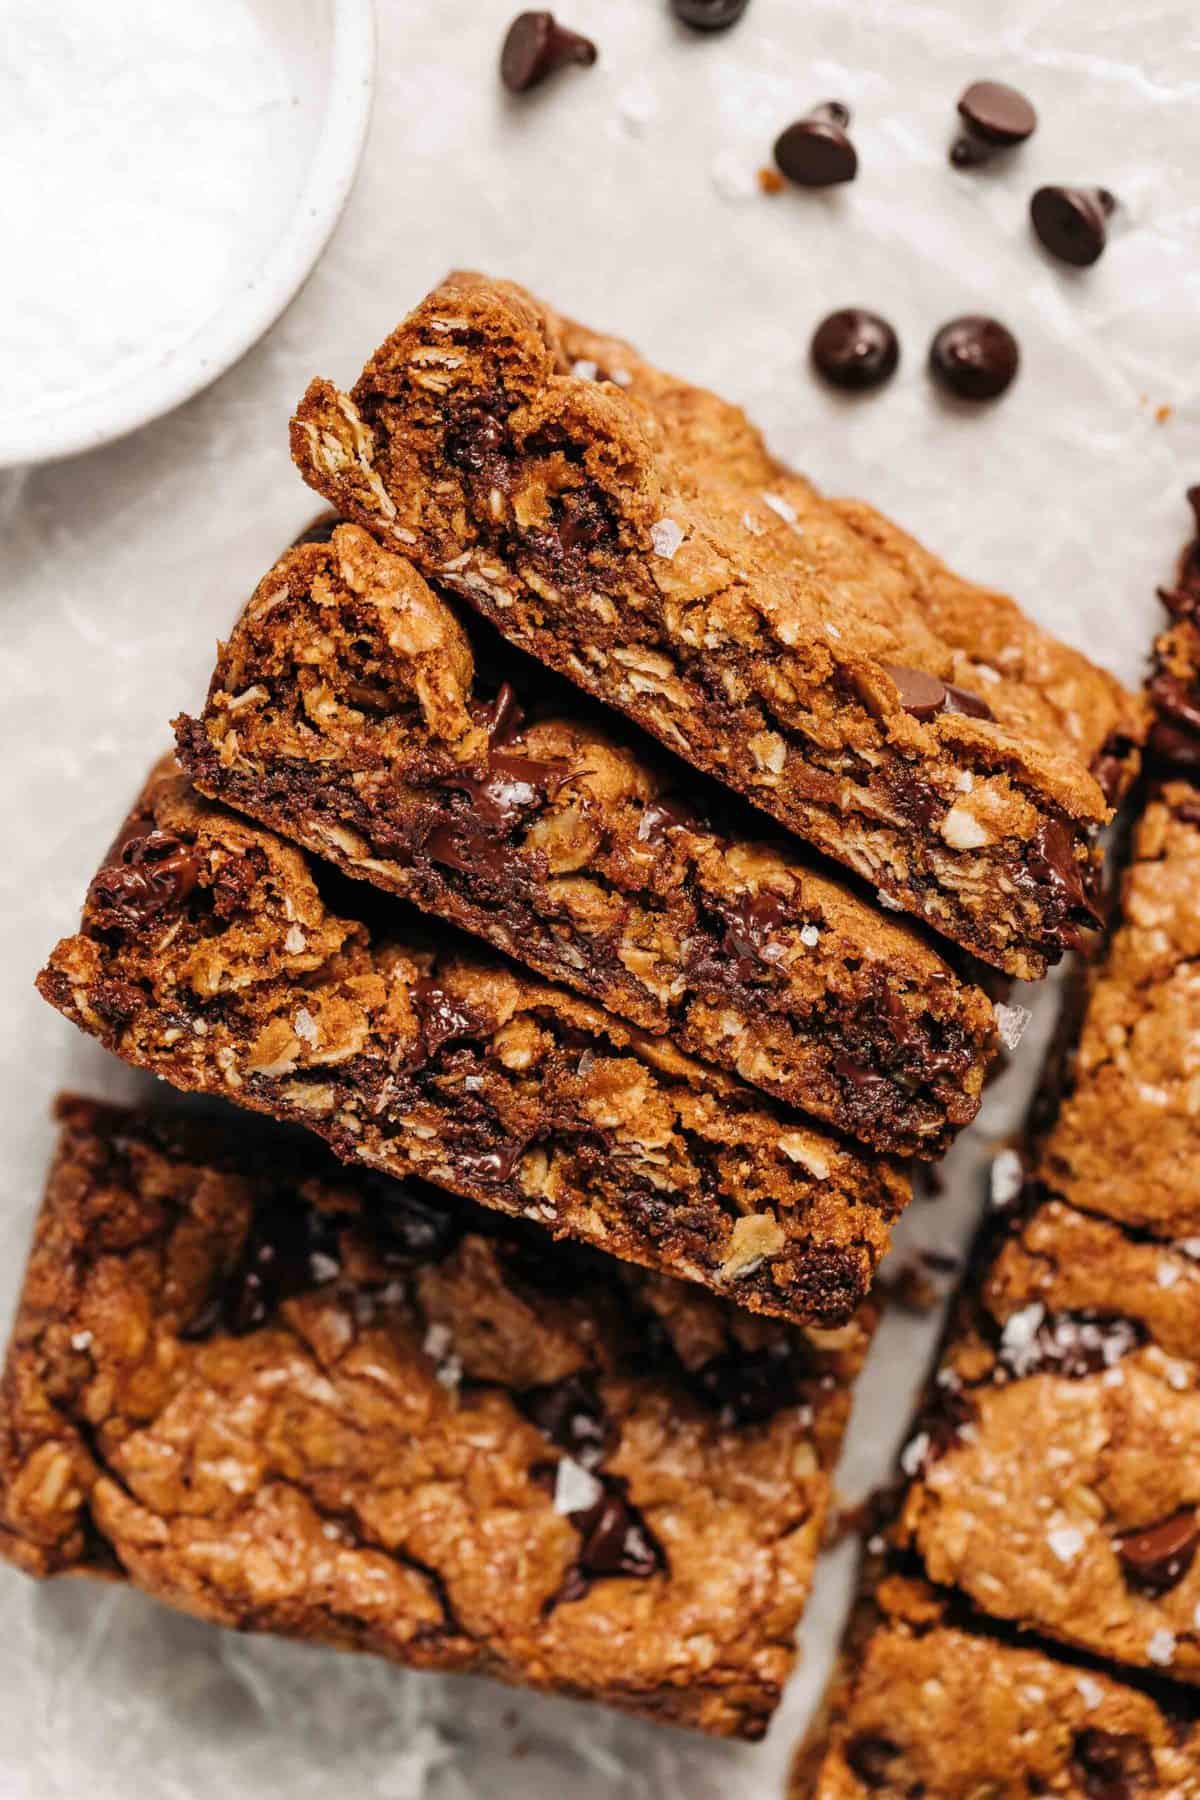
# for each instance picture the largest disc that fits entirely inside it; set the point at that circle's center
(1057, 1469)
(209, 954)
(632, 532)
(286, 1396)
(356, 712)
(928, 1705)
(1125, 1139)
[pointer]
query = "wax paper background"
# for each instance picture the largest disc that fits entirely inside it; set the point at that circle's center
(625, 193)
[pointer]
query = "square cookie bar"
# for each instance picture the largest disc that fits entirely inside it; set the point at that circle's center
(220, 957)
(360, 713)
(633, 533)
(290, 1397)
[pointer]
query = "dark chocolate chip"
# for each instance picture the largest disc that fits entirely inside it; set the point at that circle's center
(1157, 1558)
(469, 851)
(477, 441)
(1173, 744)
(924, 695)
(662, 816)
(1113, 1765)
(503, 716)
(709, 15)
(870, 1757)
(616, 1539)
(921, 694)
(1071, 1344)
(442, 1016)
(1176, 701)
(815, 151)
(490, 1165)
(941, 1424)
(1051, 860)
(537, 45)
(995, 117)
(747, 1387)
(752, 922)
(1072, 223)
(289, 1248)
(1110, 766)
(855, 349)
(572, 1415)
(146, 872)
(975, 358)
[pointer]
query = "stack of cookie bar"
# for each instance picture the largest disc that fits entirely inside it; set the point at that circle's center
(592, 833)
(1032, 1604)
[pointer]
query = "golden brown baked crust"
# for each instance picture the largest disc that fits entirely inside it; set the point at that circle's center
(355, 711)
(1057, 1472)
(1125, 1140)
(289, 1397)
(928, 1705)
(633, 533)
(210, 954)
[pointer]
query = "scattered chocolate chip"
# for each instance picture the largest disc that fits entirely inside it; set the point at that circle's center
(1176, 701)
(974, 357)
(1175, 745)
(1072, 223)
(289, 1247)
(940, 1427)
(410, 1231)
(537, 45)
(146, 872)
(503, 716)
(1113, 1765)
(924, 695)
(477, 442)
(855, 349)
(1110, 766)
(871, 1757)
(490, 1165)
(815, 151)
(995, 117)
(1157, 1559)
(709, 15)
(572, 1415)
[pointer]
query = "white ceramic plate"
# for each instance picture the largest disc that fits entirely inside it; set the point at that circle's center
(200, 253)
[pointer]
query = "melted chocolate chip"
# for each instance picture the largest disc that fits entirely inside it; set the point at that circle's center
(1176, 701)
(855, 349)
(1174, 744)
(995, 117)
(289, 1248)
(146, 872)
(709, 15)
(469, 851)
(616, 1539)
(477, 441)
(1072, 223)
(1110, 766)
(751, 922)
(537, 45)
(975, 358)
(747, 1387)
(1113, 1765)
(941, 1424)
(442, 1016)
(490, 1165)
(1051, 860)
(870, 1757)
(320, 531)
(1157, 1558)
(815, 151)
(503, 716)
(572, 1415)
(664, 815)
(924, 695)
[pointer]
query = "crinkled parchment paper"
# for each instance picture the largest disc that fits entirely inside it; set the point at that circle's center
(627, 195)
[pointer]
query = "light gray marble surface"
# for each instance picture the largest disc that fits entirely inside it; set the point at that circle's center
(626, 195)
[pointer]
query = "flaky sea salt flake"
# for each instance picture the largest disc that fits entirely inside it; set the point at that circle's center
(1010, 1023)
(666, 535)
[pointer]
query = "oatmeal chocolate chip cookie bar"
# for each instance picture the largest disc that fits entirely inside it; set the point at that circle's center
(1056, 1471)
(1125, 1142)
(928, 1703)
(220, 957)
(287, 1396)
(357, 712)
(1175, 681)
(633, 533)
